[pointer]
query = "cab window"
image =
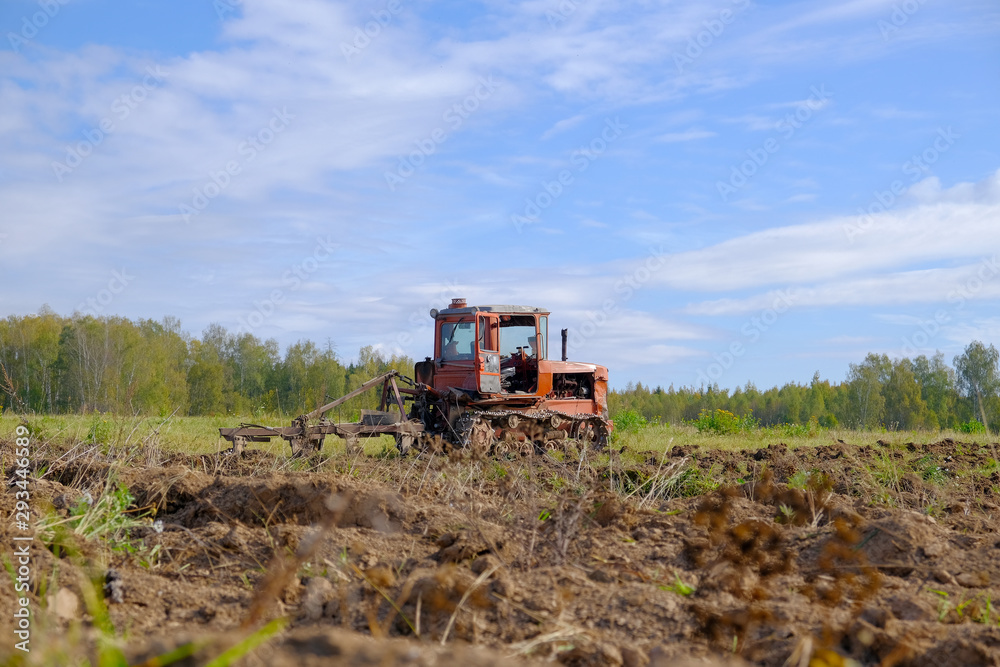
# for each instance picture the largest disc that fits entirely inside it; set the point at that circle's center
(487, 334)
(458, 341)
(517, 333)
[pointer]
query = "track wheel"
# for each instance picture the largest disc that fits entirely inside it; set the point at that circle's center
(601, 435)
(481, 440)
(526, 448)
(583, 433)
(504, 448)
(553, 446)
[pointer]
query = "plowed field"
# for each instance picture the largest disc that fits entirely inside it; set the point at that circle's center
(884, 555)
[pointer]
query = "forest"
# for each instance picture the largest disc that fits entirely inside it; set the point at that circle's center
(878, 393)
(55, 364)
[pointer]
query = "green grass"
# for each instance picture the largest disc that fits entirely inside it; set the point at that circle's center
(658, 437)
(679, 586)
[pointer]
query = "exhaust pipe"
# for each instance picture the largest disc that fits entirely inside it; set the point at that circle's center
(565, 335)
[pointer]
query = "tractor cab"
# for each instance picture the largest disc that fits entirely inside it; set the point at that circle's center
(489, 350)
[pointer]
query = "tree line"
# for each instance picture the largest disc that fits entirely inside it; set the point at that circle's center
(54, 364)
(879, 392)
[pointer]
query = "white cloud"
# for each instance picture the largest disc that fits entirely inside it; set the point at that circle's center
(899, 319)
(811, 103)
(972, 282)
(962, 222)
(753, 122)
(562, 126)
(627, 338)
(985, 329)
(804, 197)
(850, 340)
(823, 13)
(689, 135)
(894, 113)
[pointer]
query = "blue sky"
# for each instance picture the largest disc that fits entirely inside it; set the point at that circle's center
(724, 191)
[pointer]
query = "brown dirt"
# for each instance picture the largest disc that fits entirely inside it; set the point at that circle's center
(882, 555)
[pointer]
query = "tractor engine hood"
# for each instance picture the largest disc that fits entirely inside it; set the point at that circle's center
(600, 372)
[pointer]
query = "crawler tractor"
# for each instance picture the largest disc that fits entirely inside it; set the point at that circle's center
(490, 387)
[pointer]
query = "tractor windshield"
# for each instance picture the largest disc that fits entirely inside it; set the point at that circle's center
(458, 341)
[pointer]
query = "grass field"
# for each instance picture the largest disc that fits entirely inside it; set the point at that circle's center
(200, 435)
(660, 437)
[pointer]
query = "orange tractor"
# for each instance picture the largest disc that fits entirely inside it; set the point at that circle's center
(490, 387)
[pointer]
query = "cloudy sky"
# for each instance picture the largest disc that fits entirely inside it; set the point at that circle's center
(701, 191)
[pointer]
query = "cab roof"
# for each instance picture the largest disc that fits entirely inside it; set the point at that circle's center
(504, 310)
